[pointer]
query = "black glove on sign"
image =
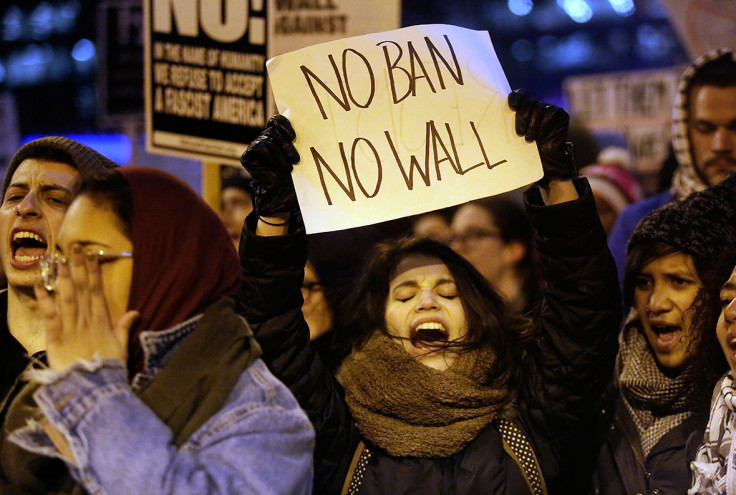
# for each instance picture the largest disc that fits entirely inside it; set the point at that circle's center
(547, 125)
(269, 160)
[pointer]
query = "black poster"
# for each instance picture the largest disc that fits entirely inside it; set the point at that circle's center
(205, 76)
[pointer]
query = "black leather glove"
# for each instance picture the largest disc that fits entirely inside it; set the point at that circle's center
(269, 160)
(547, 125)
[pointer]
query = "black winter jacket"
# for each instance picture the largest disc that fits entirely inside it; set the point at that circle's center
(566, 370)
(622, 467)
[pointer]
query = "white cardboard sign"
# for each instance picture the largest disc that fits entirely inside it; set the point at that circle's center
(399, 123)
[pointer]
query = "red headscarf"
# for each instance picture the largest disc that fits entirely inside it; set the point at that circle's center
(183, 257)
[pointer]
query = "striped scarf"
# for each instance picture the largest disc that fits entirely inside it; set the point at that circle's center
(656, 402)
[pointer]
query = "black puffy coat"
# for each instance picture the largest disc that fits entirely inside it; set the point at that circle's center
(568, 367)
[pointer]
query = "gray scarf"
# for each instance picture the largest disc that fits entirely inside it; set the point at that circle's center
(656, 402)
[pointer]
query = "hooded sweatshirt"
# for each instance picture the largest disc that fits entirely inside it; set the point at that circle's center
(686, 179)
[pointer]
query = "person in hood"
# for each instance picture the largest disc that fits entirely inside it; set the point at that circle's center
(703, 138)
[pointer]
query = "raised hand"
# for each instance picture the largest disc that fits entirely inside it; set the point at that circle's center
(547, 125)
(76, 318)
(269, 160)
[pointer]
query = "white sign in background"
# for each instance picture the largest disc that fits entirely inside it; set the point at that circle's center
(399, 123)
(204, 74)
(294, 24)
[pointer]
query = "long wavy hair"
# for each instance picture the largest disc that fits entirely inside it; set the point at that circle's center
(491, 321)
(707, 358)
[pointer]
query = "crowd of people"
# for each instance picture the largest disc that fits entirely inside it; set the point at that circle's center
(577, 339)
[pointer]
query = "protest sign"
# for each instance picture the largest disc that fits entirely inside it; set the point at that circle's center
(205, 89)
(294, 24)
(399, 123)
(637, 105)
(205, 79)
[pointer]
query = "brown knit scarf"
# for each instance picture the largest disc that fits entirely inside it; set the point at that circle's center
(410, 409)
(656, 402)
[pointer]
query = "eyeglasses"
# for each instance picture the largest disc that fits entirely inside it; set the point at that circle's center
(50, 264)
(471, 238)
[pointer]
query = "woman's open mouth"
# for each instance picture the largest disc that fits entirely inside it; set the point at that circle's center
(429, 336)
(667, 337)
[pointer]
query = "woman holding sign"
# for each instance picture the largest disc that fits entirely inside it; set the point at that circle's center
(447, 390)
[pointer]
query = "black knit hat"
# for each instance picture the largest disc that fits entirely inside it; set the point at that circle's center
(61, 149)
(702, 224)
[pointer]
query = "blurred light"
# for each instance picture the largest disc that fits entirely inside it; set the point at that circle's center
(546, 44)
(619, 41)
(522, 50)
(578, 10)
(117, 147)
(28, 66)
(60, 67)
(68, 13)
(3, 72)
(84, 102)
(83, 50)
(42, 21)
(12, 24)
(37, 64)
(623, 7)
(520, 7)
(576, 50)
(652, 42)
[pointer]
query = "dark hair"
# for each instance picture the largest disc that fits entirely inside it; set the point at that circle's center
(642, 253)
(110, 187)
(513, 225)
(491, 322)
(720, 72)
(444, 213)
(237, 180)
(708, 358)
(637, 257)
(667, 170)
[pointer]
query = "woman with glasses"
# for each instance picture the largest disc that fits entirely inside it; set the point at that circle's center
(495, 236)
(154, 383)
(446, 390)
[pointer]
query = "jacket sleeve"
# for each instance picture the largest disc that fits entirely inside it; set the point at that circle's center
(270, 300)
(260, 442)
(573, 359)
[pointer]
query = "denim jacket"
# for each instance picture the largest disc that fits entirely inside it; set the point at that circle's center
(260, 442)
